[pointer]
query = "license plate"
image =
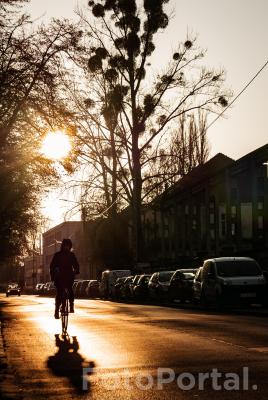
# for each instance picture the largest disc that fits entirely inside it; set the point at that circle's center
(246, 295)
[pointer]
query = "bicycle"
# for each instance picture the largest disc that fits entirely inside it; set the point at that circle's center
(64, 311)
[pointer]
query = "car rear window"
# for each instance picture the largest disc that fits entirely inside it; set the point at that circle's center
(188, 276)
(165, 276)
(238, 268)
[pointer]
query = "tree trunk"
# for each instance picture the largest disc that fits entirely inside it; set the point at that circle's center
(137, 242)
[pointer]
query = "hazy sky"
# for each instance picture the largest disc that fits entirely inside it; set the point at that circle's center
(235, 34)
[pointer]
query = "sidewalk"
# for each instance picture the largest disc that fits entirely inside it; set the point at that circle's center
(8, 389)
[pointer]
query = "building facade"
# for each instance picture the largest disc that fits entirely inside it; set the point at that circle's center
(220, 208)
(33, 270)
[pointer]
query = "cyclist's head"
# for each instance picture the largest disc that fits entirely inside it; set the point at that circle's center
(66, 244)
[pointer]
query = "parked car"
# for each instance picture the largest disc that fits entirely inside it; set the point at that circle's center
(108, 279)
(41, 289)
(181, 285)
(13, 288)
(81, 291)
(132, 284)
(51, 289)
(230, 281)
(77, 289)
(196, 297)
(92, 290)
(48, 288)
(116, 289)
(38, 288)
(159, 284)
(125, 288)
(141, 288)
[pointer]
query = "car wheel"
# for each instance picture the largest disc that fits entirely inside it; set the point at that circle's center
(18, 294)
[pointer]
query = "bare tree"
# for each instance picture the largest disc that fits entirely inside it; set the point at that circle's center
(120, 44)
(188, 147)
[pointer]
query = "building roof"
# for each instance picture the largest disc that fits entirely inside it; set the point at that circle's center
(61, 225)
(200, 173)
(260, 154)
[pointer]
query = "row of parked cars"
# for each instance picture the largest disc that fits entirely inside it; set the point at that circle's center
(219, 281)
(81, 288)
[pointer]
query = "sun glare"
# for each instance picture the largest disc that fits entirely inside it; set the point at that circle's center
(56, 145)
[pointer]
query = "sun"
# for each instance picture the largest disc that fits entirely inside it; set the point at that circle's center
(56, 145)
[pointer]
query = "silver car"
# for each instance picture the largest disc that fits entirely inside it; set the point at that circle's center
(230, 280)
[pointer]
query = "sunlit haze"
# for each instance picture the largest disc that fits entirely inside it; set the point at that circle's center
(56, 145)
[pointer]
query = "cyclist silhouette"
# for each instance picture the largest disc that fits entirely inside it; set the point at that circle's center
(63, 268)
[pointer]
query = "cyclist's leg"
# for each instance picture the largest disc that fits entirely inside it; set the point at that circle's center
(71, 296)
(58, 299)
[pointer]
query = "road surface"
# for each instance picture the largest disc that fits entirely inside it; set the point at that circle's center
(131, 351)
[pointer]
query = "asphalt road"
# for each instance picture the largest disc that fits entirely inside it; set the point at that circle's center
(131, 352)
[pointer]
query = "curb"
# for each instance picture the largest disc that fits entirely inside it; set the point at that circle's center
(8, 387)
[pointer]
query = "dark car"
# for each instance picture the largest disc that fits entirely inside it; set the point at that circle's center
(132, 284)
(181, 285)
(141, 288)
(125, 288)
(38, 288)
(92, 290)
(13, 289)
(117, 288)
(77, 288)
(158, 285)
(81, 292)
(51, 289)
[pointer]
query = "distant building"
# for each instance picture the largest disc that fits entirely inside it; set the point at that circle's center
(52, 239)
(33, 270)
(220, 208)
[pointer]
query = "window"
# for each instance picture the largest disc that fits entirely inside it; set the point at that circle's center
(222, 222)
(260, 222)
(238, 268)
(211, 218)
(212, 234)
(260, 205)
(233, 229)
(233, 211)
(246, 220)
(211, 205)
(260, 183)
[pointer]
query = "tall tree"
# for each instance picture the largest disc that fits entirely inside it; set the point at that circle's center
(29, 60)
(188, 147)
(124, 41)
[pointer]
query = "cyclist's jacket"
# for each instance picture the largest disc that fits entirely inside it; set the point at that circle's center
(64, 266)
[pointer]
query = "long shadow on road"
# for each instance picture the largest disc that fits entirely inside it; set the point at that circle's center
(67, 362)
